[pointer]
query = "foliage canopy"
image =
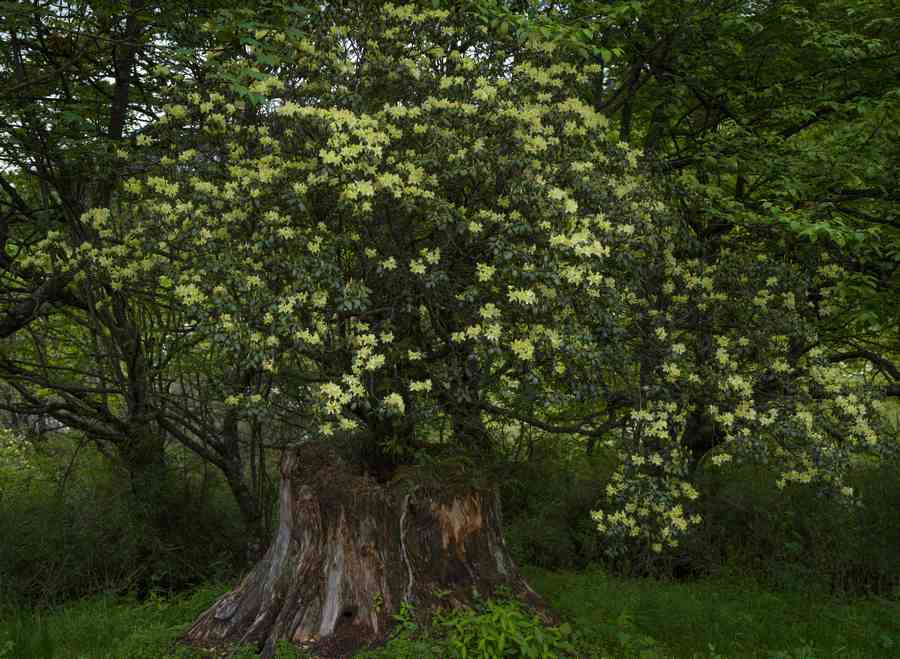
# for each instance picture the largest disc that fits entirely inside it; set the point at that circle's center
(372, 220)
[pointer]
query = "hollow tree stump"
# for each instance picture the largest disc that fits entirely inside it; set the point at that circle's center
(349, 551)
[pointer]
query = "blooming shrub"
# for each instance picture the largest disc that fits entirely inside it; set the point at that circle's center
(367, 228)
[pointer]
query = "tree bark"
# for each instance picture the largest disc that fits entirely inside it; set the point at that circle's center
(349, 551)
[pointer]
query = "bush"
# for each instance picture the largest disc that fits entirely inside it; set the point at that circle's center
(799, 537)
(792, 538)
(71, 527)
(547, 501)
(496, 629)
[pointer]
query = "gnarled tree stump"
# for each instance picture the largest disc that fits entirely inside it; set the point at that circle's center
(349, 551)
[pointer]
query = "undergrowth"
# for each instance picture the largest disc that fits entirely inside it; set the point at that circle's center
(104, 627)
(786, 538)
(771, 574)
(730, 617)
(493, 630)
(727, 616)
(71, 526)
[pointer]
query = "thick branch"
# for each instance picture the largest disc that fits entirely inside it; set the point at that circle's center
(579, 429)
(884, 365)
(28, 309)
(123, 61)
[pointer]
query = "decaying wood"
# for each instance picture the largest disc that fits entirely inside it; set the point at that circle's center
(349, 551)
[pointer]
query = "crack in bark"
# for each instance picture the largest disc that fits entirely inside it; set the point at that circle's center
(403, 551)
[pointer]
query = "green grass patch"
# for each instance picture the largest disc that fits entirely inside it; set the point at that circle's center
(716, 617)
(103, 627)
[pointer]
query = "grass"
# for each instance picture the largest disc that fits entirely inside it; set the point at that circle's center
(722, 617)
(103, 627)
(611, 616)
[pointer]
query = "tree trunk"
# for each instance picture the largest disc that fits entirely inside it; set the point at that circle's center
(142, 454)
(250, 505)
(349, 551)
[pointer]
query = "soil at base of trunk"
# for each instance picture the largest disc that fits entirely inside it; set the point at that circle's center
(349, 551)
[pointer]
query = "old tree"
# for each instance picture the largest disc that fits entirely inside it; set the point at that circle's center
(365, 235)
